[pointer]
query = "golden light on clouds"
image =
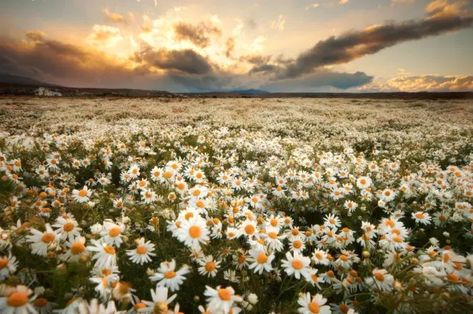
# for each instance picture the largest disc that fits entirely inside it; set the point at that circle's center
(189, 46)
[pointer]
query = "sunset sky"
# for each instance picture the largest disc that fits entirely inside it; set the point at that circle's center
(275, 45)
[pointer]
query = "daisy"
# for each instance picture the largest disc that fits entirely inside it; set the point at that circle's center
(193, 232)
(148, 196)
(208, 266)
(381, 280)
(67, 227)
(82, 196)
(76, 249)
(363, 182)
(320, 257)
(8, 265)
(220, 300)
(387, 195)
(160, 301)
(332, 221)
(198, 191)
(167, 275)
(105, 254)
(17, 301)
(95, 307)
(41, 241)
(112, 232)
(122, 292)
(421, 217)
(296, 265)
(260, 261)
(313, 305)
(297, 244)
(247, 228)
(134, 171)
(142, 253)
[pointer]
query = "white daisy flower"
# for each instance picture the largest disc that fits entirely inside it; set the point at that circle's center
(142, 253)
(167, 275)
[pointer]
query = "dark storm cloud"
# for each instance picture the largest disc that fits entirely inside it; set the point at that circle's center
(186, 61)
(442, 17)
(314, 81)
(57, 62)
(198, 34)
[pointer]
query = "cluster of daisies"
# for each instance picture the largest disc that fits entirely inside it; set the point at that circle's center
(240, 216)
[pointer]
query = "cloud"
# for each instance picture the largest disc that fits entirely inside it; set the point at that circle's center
(198, 34)
(279, 24)
(105, 35)
(319, 80)
(61, 63)
(312, 6)
(431, 82)
(442, 16)
(114, 17)
(186, 60)
(400, 2)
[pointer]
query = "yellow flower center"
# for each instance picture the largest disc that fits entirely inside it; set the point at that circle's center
(17, 299)
(297, 264)
(83, 193)
(48, 237)
(249, 229)
(210, 266)
(109, 249)
(40, 302)
(262, 258)
(77, 248)
(379, 276)
(3, 262)
(224, 294)
(195, 232)
(141, 250)
(169, 274)
(68, 227)
(314, 307)
(114, 232)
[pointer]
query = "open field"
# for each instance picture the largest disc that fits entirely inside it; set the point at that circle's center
(226, 205)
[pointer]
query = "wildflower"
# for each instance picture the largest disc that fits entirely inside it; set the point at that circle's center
(8, 265)
(313, 305)
(142, 253)
(83, 195)
(208, 266)
(167, 275)
(296, 265)
(105, 254)
(193, 232)
(41, 241)
(381, 280)
(67, 227)
(17, 301)
(112, 233)
(220, 300)
(160, 301)
(260, 261)
(421, 217)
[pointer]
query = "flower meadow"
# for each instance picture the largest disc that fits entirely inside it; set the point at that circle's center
(236, 206)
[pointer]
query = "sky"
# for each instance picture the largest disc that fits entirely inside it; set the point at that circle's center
(218, 45)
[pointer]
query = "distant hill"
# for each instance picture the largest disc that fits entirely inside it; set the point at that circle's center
(378, 95)
(23, 86)
(6, 78)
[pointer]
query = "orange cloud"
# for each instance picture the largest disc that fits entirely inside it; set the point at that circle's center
(417, 83)
(114, 17)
